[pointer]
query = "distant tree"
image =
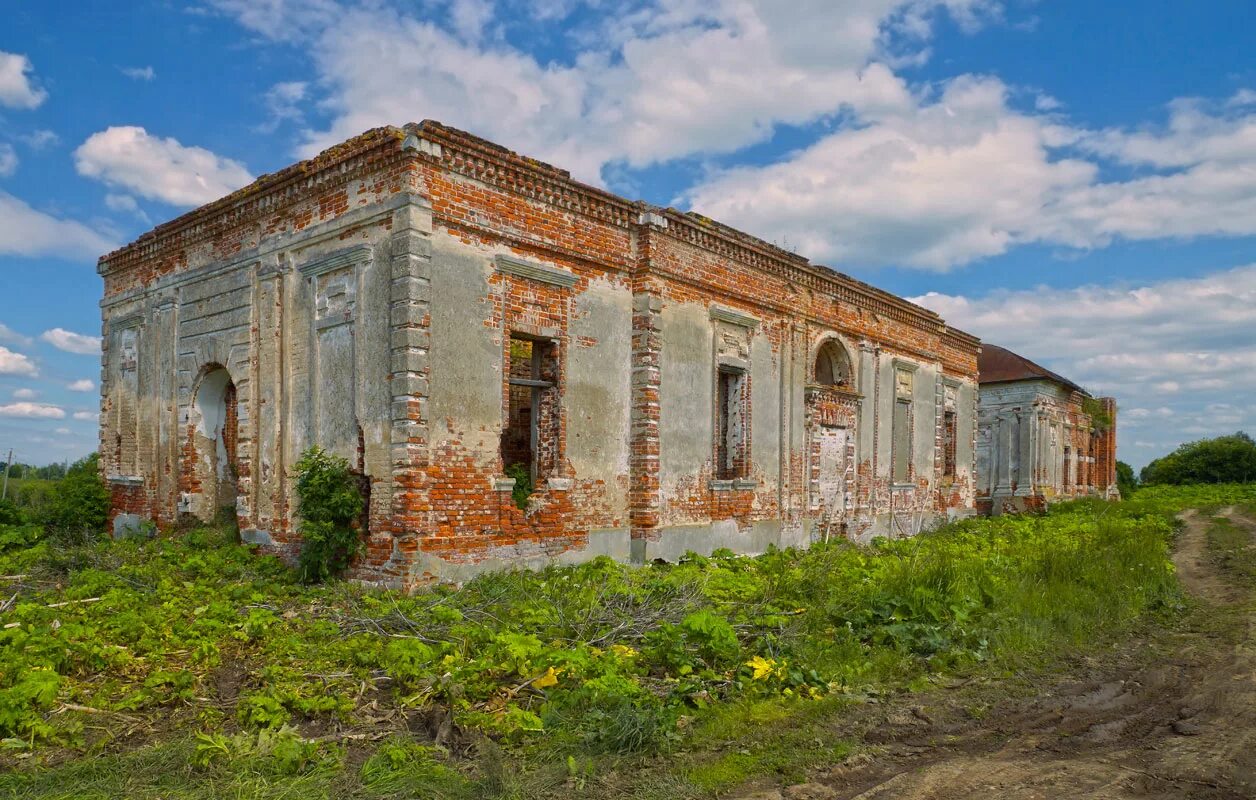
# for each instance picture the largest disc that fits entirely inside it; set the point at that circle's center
(1225, 459)
(1126, 480)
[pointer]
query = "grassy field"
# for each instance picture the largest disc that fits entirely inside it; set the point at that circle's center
(189, 667)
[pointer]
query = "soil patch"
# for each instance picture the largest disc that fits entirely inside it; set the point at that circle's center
(1176, 721)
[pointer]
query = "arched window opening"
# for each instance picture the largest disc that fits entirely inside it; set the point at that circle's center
(832, 367)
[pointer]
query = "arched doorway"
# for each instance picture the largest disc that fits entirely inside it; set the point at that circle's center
(214, 432)
(831, 414)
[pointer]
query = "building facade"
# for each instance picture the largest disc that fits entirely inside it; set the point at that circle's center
(523, 368)
(1041, 437)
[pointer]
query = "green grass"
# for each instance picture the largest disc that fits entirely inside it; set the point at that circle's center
(212, 672)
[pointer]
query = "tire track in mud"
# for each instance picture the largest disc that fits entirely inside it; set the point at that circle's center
(1178, 727)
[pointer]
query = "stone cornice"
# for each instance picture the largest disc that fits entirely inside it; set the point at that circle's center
(534, 271)
(342, 258)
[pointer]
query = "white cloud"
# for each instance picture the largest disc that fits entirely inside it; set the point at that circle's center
(7, 334)
(25, 394)
(8, 159)
(283, 102)
(61, 431)
(139, 73)
(71, 342)
(160, 169)
(929, 176)
(283, 20)
(1177, 354)
(91, 416)
(12, 363)
(16, 88)
(38, 140)
(125, 203)
(27, 232)
(967, 176)
(82, 385)
(32, 411)
(651, 80)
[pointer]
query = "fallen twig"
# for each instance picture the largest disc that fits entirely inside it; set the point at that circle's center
(72, 602)
(89, 710)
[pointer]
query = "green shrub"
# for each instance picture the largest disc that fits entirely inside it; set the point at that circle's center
(1225, 459)
(522, 490)
(79, 506)
(330, 506)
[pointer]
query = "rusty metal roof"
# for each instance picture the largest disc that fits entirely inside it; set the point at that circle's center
(999, 365)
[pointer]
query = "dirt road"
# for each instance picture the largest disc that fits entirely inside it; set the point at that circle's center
(1179, 722)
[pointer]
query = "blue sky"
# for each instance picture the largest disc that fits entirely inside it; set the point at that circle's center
(1074, 180)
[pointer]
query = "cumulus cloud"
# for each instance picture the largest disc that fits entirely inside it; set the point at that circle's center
(29, 410)
(8, 160)
(82, 385)
(17, 90)
(25, 393)
(1178, 354)
(967, 176)
(139, 73)
(130, 158)
(929, 176)
(71, 342)
(25, 231)
(12, 363)
(87, 416)
(652, 81)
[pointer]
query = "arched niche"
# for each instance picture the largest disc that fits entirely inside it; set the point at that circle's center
(214, 431)
(832, 365)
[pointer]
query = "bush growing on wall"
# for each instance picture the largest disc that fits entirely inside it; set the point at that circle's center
(330, 505)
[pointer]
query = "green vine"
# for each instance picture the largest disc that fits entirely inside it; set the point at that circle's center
(330, 505)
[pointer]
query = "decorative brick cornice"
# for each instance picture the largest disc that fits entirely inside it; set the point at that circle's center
(374, 150)
(484, 161)
(463, 154)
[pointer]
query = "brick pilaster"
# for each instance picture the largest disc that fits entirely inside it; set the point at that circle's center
(409, 371)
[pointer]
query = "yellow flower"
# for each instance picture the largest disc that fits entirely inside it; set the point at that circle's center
(623, 651)
(548, 679)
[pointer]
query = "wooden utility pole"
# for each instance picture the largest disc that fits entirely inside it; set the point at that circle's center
(7, 465)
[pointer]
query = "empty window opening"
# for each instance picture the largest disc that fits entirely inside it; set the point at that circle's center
(730, 432)
(529, 444)
(832, 367)
(949, 441)
(901, 444)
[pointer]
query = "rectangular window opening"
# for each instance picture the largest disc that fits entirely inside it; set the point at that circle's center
(529, 443)
(730, 432)
(949, 442)
(902, 441)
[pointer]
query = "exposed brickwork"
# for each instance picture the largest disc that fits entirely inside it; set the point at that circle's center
(443, 498)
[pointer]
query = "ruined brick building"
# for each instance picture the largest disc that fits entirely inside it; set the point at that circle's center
(1041, 437)
(455, 319)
